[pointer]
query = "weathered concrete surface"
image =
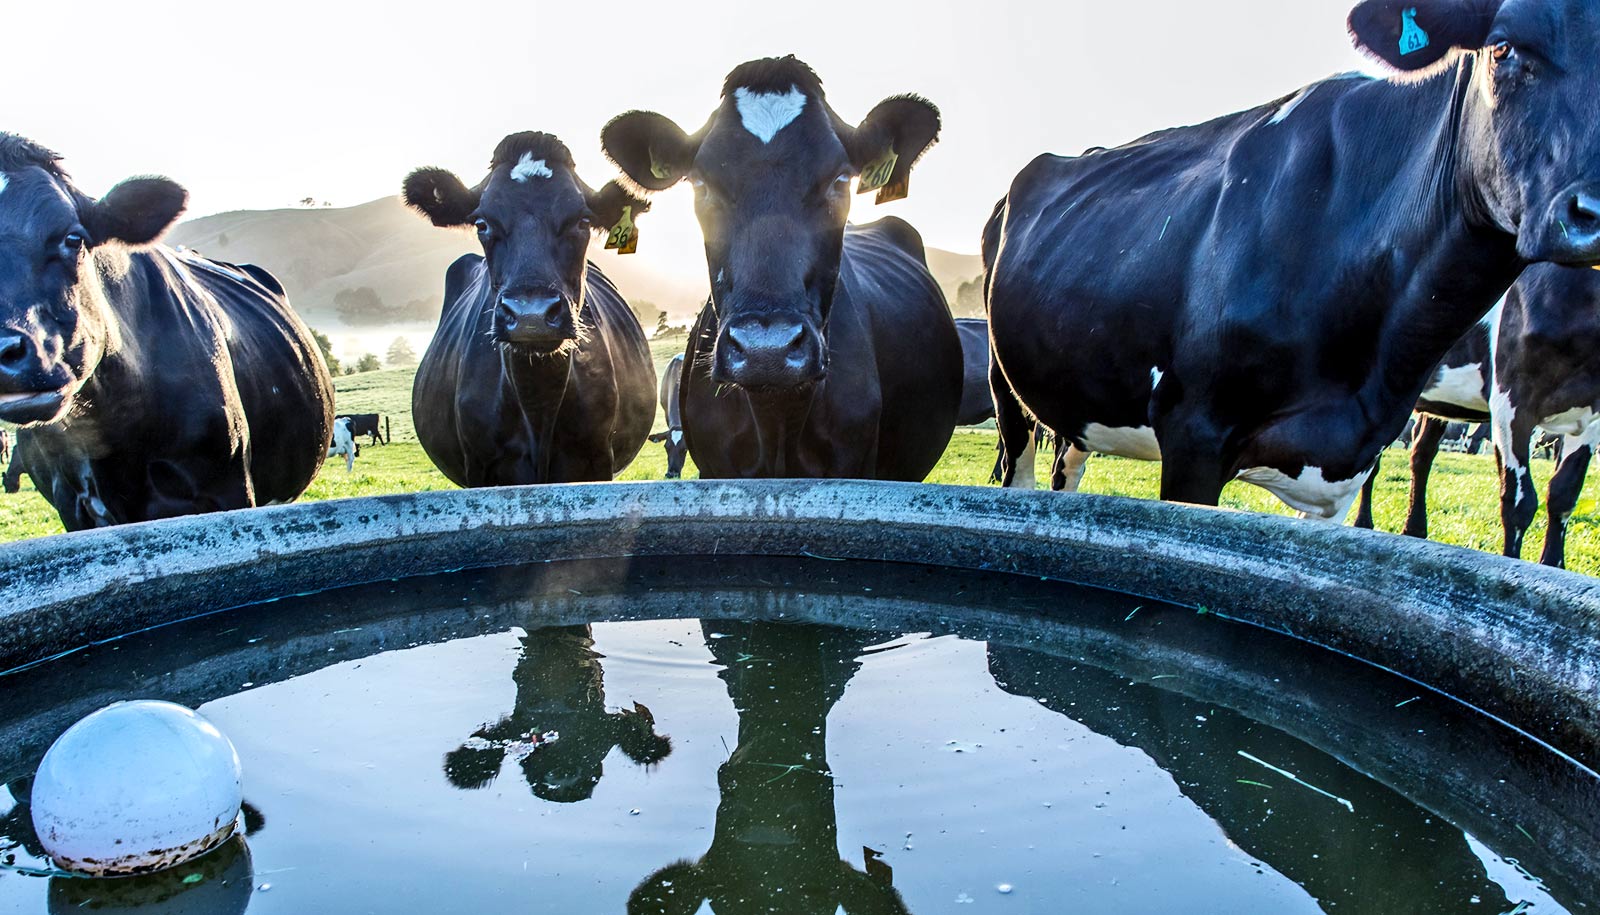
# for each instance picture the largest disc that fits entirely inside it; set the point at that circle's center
(1518, 640)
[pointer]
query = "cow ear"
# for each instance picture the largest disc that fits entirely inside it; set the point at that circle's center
(1415, 34)
(609, 203)
(650, 149)
(137, 211)
(439, 195)
(889, 142)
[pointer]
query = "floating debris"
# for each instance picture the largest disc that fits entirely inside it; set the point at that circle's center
(1297, 780)
(1004, 889)
(1407, 702)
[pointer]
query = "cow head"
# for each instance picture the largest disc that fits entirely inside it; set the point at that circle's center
(534, 217)
(1531, 128)
(771, 173)
(56, 243)
(677, 451)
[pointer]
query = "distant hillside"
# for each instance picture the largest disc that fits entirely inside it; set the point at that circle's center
(382, 246)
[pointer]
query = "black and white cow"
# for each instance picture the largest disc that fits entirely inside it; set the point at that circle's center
(827, 349)
(1264, 296)
(344, 444)
(539, 372)
(1533, 363)
(5, 446)
(151, 382)
(373, 425)
(671, 404)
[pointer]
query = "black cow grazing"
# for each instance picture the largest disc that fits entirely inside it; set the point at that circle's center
(977, 405)
(373, 425)
(671, 403)
(827, 349)
(1532, 363)
(1264, 297)
(152, 382)
(11, 481)
(539, 372)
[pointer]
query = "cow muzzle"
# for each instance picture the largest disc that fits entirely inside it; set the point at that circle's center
(31, 389)
(772, 352)
(540, 320)
(1569, 234)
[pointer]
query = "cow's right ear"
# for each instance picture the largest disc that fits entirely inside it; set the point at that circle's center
(658, 438)
(137, 211)
(1416, 34)
(439, 195)
(650, 149)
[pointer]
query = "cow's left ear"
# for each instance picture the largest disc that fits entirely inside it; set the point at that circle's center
(1416, 34)
(137, 211)
(442, 197)
(650, 149)
(889, 141)
(609, 203)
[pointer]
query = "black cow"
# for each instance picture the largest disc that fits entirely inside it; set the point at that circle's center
(1265, 296)
(977, 405)
(1532, 363)
(17, 465)
(372, 425)
(539, 372)
(671, 403)
(5, 446)
(152, 382)
(827, 350)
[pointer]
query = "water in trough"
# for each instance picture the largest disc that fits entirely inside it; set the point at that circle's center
(745, 736)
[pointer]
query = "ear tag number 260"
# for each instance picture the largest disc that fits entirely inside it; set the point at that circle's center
(623, 236)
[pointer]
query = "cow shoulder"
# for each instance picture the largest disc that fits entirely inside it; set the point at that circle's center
(265, 278)
(459, 275)
(895, 232)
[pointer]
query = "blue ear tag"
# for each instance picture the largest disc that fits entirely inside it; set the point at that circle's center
(1412, 37)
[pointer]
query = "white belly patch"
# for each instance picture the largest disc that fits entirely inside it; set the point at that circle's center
(1137, 443)
(1461, 386)
(1309, 492)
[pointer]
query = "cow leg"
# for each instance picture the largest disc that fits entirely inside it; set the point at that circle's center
(1364, 507)
(1518, 499)
(1424, 449)
(1565, 488)
(1016, 433)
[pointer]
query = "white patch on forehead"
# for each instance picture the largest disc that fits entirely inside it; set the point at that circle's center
(529, 167)
(1310, 492)
(766, 113)
(677, 436)
(1129, 442)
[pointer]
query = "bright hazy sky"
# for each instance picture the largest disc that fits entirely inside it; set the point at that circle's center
(258, 105)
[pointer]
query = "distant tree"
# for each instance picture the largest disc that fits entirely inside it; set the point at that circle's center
(368, 363)
(969, 299)
(645, 311)
(401, 355)
(326, 346)
(661, 326)
(308, 201)
(361, 306)
(349, 370)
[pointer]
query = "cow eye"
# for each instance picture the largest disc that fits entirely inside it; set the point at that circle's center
(482, 226)
(73, 241)
(1502, 50)
(585, 223)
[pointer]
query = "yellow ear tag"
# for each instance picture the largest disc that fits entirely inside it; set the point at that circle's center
(623, 236)
(878, 172)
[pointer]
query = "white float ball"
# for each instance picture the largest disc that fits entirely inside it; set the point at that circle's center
(136, 787)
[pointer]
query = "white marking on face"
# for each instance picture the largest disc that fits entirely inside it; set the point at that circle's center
(766, 113)
(1460, 385)
(1311, 493)
(677, 436)
(529, 167)
(1129, 442)
(1023, 477)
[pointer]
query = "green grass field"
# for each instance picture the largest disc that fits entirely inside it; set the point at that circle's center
(1463, 493)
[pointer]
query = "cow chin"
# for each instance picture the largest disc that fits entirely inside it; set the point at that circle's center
(538, 346)
(35, 408)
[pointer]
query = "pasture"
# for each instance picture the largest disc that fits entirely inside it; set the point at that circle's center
(1463, 492)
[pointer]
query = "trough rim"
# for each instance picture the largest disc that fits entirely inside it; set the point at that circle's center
(1518, 641)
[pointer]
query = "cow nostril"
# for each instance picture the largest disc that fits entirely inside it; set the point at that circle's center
(13, 350)
(1584, 212)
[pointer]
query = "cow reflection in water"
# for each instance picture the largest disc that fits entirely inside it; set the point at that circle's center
(560, 693)
(776, 845)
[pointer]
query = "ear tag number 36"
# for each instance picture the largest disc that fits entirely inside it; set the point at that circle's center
(623, 236)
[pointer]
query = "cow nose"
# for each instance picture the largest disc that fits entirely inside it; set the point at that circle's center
(533, 318)
(1571, 232)
(769, 351)
(13, 352)
(1583, 211)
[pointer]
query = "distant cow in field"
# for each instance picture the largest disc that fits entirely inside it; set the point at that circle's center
(5, 446)
(150, 383)
(17, 463)
(1264, 296)
(827, 349)
(344, 444)
(671, 403)
(373, 425)
(1532, 364)
(539, 371)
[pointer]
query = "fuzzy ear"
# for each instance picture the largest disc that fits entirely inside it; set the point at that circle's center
(889, 142)
(137, 211)
(658, 438)
(608, 203)
(439, 195)
(1415, 34)
(650, 149)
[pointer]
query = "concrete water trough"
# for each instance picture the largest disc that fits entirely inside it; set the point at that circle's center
(1517, 642)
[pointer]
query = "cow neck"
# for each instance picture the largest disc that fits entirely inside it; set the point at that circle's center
(540, 385)
(1450, 262)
